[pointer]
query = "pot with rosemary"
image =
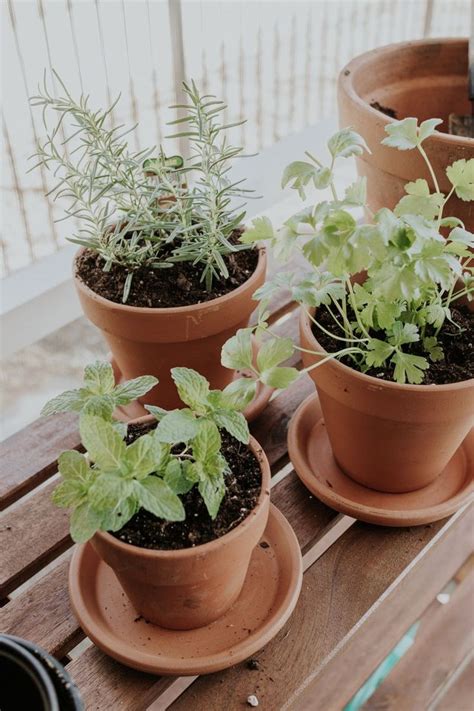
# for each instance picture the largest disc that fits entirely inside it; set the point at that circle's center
(387, 329)
(161, 269)
(174, 503)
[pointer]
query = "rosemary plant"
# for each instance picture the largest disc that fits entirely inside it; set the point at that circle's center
(142, 209)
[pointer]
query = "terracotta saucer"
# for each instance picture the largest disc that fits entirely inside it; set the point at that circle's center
(135, 409)
(268, 598)
(311, 455)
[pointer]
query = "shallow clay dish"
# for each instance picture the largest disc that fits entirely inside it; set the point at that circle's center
(268, 598)
(311, 454)
(135, 409)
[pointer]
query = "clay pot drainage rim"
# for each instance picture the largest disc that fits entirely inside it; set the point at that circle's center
(267, 600)
(311, 454)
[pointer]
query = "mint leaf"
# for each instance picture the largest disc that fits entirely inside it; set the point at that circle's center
(68, 401)
(116, 519)
(234, 423)
(175, 477)
(193, 388)
(104, 445)
(100, 405)
(99, 377)
(133, 389)
(346, 143)
(155, 496)
(212, 492)
(279, 378)
(108, 491)
(409, 368)
(262, 229)
(237, 352)
(77, 478)
(177, 426)
(73, 465)
(461, 176)
(239, 393)
(207, 443)
(141, 457)
(84, 523)
(273, 352)
(157, 412)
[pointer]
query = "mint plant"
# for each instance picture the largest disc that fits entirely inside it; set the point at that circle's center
(414, 275)
(111, 482)
(99, 394)
(144, 209)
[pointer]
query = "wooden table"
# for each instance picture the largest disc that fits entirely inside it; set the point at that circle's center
(363, 588)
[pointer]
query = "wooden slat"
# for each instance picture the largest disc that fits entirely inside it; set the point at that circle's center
(32, 532)
(460, 693)
(441, 644)
(28, 457)
(429, 558)
(43, 613)
(350, 581)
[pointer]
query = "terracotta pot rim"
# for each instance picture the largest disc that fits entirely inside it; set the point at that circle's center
(369, 380)
(173, 310)
(367, 59)
(204, 548)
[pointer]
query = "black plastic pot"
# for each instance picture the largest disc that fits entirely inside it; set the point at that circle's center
(33, 679)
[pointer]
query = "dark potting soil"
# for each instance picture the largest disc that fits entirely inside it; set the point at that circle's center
(384, 109)
(178, 285)
(243, 490)
(458, 347)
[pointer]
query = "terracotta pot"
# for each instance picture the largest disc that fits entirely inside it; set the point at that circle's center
(191, 587)
(148, 341)
(386, 436)
(425, 79)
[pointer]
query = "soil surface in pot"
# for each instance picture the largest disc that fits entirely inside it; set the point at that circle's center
(458, 348)
(178, 285)
(384, 109)
(243, 489)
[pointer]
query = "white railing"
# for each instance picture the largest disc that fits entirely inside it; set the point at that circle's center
(275, 63)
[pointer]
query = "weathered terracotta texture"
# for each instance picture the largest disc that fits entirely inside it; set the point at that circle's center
(191, 587)
(152, 341)
(425, 79)
(312, 456)
(267, 599)
(386, 436)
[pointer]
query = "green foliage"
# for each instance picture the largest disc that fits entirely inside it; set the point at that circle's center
(414, 273)
(143, 208)
(99, 395)
(113, 480)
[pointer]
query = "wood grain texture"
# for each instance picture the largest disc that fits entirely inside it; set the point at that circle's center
(429, 557)
(43, 613)
(32, 533)
(460, 693)
(28, 457)
(348, 581)
(441, 644)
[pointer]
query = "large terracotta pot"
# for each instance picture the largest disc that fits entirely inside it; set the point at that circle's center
(386, 436)
(425, 79)
(148, 341)
(191, 587)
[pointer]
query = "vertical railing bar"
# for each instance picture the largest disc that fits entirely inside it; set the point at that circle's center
(223, 81)
(130, 79)
(308, 66)
(18, 190)
(259, 113)
(179, 71)
(104, 61)
(204, 72)
(322, 59)
(74, 42)
(427, 23)
(276, 81)
(21, 61)
(4, 248)
(241, 89)
(154, 78)
(292, 76)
